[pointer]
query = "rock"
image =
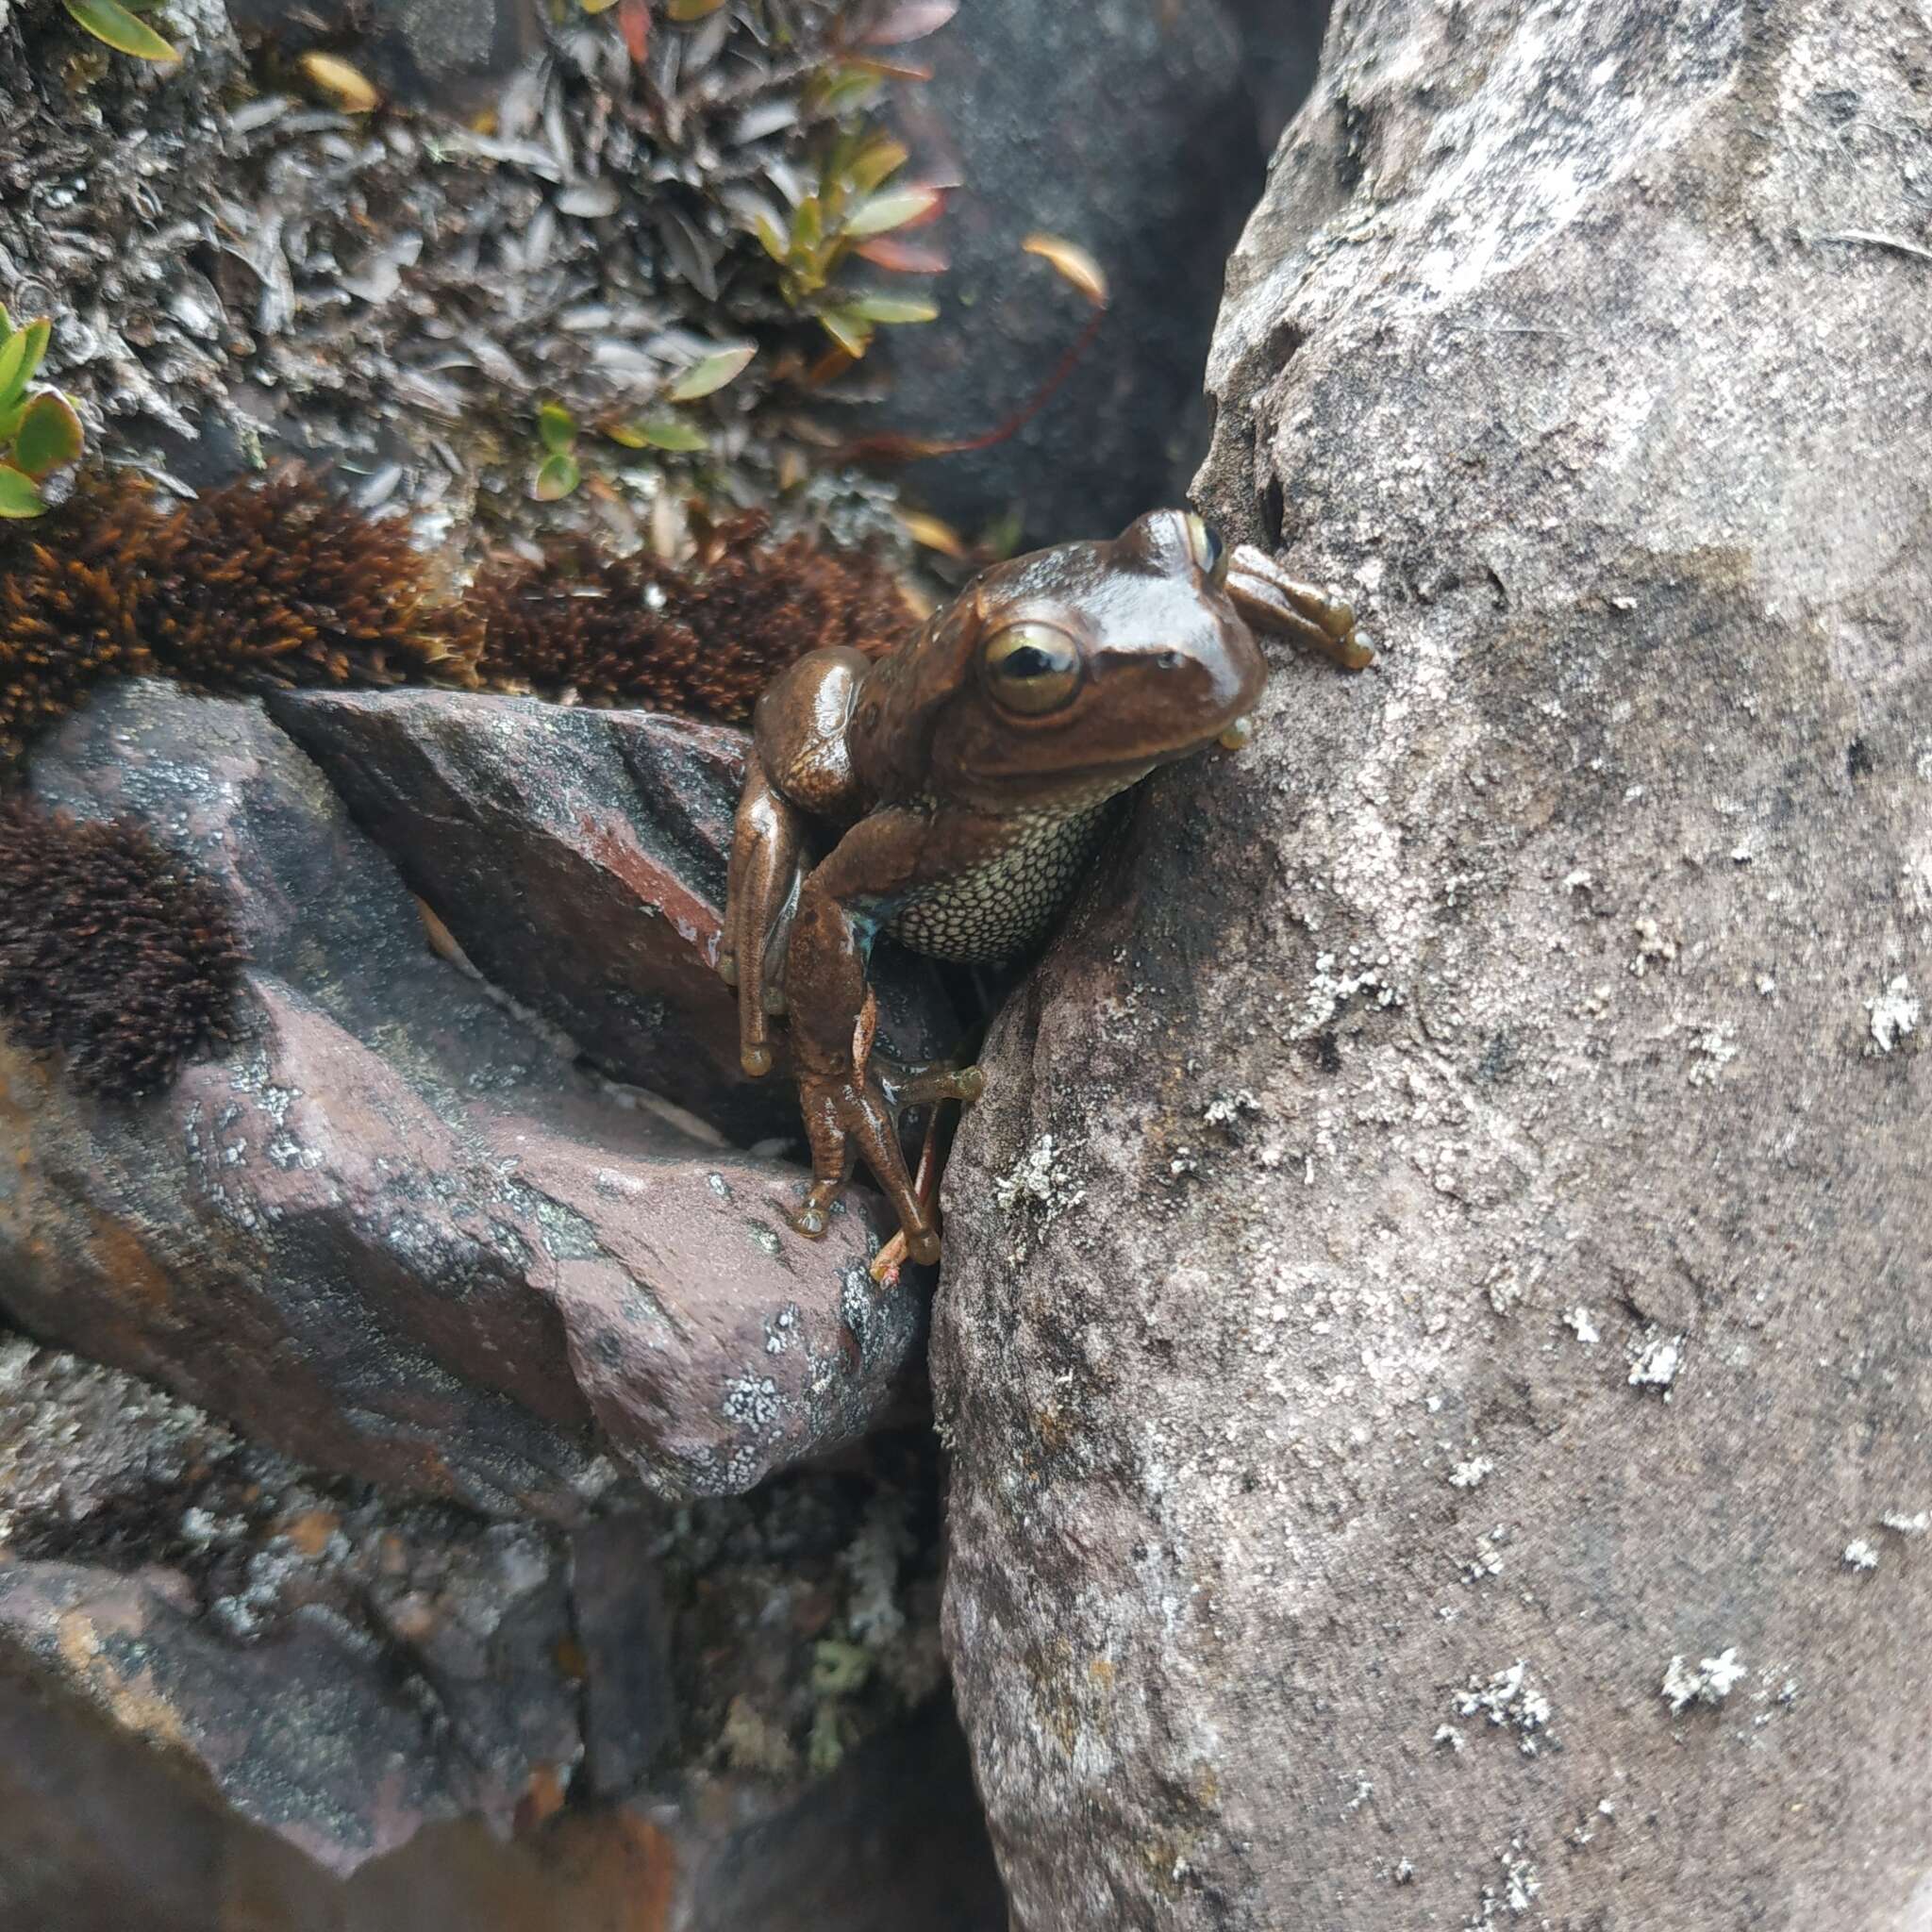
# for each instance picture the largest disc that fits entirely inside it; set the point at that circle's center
(233, 1692)
(1442, 1255)
(392, 1232)
(1124, 129)
(579, 859)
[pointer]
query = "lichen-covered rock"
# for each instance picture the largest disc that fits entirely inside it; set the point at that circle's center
(579, 859)
(1434, 1329)
(233, 1692)
(389, 1229)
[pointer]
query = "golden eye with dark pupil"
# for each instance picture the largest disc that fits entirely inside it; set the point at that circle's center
(1210, 553)
(1031, 668)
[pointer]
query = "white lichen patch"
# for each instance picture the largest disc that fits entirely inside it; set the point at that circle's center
(1860, 1554)
(1711, 1050)
(1654, 947)
(1892, 1015)
(1656, 1362)
(1582, 1324)
(1711, 1682)
(1469, 1474)
(1037, 1190)
(1900, 1524)
(1510, 1701)
(1335, 982)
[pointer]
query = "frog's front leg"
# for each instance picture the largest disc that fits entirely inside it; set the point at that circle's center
(1270, 599)
(766, 839)
(850, 1097)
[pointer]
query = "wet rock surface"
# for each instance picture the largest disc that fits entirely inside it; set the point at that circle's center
(391, 1230)
(233, 1691)
(579, 859)
(1434, 1323)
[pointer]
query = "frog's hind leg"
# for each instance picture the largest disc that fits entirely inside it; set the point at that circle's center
(1270, 599)
(766, 870)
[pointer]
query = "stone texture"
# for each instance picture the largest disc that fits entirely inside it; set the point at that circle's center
(234, 1693)
(1443, 1254)
(579, 859)
(1125, 127)
(392, 1231)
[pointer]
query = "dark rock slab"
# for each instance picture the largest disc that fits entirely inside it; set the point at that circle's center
(579, 859)
(234, 1693)
(1124, 126)
(1435, 1325)
(391, 1230)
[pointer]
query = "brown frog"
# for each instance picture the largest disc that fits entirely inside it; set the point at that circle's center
(952, 793)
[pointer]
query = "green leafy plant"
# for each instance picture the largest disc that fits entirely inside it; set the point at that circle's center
(662, 426)
(118, 24)
(39, 432)
(851, 211)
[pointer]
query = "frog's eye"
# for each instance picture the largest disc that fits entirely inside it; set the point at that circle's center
(1031, 668)
(1208, 552)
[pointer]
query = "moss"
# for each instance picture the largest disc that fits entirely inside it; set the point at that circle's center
(113, 951)
(278, 581)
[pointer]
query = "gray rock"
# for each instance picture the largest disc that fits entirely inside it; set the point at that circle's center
(1434, 1329)
(392, 1231)
(1124, 127)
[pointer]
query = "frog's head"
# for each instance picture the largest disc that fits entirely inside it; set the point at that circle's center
(1070, 668)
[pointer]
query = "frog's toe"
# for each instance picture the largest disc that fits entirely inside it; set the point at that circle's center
(727, 968)
(810, 1221)
(755, 1060)
(774, 1001)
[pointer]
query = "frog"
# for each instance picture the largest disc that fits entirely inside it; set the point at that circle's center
(952, 793)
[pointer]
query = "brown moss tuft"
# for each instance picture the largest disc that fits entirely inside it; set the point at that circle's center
(112, 950)
(706, 639)
(279, 580)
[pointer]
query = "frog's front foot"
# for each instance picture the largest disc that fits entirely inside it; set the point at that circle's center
(1270, 599)
(856, 1115)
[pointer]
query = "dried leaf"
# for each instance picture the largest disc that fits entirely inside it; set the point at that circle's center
(933, 533)
(1074, 262)
(557, 427)
(49, 438)
(912, 21)
(108, 21)
(556, 476)
(346, 85)
(18, 496)
(901, 257)
(894, 309)
(897, 209)
(634, 23)
(705, 377)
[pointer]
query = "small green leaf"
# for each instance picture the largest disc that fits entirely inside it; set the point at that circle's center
(837, 90)
(773, 237)
(876, 160)
(597, 5)
(18, 496)
(848, 328)
(894, 309)
(50, 436)
(13, 366)
(108, 21)
(706, 377)
(557, 427)
(666, 432)
(894, 210)
(557, 477)
(38, 335)
(9, 424)
(808, 227)
(693, 10)
(5, 321)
